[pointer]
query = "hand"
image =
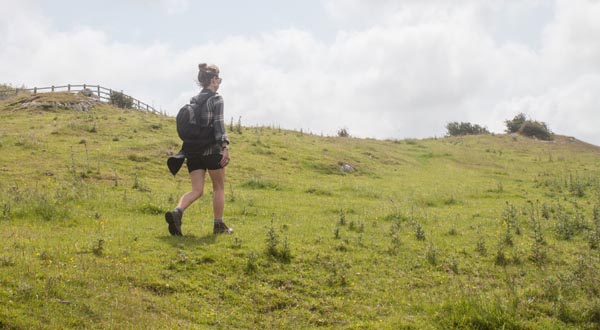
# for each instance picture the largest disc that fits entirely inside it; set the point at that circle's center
(225, 160)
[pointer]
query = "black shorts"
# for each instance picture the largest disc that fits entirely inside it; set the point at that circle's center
(210, 162)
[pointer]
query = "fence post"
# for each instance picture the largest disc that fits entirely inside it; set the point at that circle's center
(52, 88)
(69, 87)
(34, 90)
(83, 86)
(98, 91)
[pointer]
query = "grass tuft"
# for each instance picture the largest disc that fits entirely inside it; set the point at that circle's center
(256, 183)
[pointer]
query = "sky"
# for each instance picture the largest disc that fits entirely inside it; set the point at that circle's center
(377, 68)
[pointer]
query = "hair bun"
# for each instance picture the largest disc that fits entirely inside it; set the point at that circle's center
(206, 73)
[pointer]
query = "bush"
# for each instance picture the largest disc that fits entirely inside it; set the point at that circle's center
(5, 87)
(536, 129)
(7, 90)
(121, 100)
(343, 132)
(458, 129)
(513, 125)
(528, 127)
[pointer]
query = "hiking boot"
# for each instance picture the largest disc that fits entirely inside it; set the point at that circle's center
(221, 228)
(173, 218)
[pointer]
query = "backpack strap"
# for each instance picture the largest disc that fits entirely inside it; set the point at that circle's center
(191, 109)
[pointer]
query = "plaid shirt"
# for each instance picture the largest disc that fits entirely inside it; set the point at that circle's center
(211, 113)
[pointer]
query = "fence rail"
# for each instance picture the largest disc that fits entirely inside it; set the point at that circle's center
(104, 94)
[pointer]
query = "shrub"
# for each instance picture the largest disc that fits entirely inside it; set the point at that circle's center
(121, 100)
(6, 87)
(528, 127)
(462, 128)
(7, 90)
(343, 132)
(536, 129)
(251, 263)
(283, 254)
(513, 125)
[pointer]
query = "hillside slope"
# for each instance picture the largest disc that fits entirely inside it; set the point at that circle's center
(471, 232)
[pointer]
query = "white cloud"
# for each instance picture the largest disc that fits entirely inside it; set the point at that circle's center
(176, 6)
(405, 70)
(571, 45)
(172, 7)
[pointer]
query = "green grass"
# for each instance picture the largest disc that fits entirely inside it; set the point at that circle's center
(476, 232)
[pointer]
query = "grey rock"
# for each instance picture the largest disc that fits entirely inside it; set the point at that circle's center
(347, 168)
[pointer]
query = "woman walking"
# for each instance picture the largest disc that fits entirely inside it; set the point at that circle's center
(210, 155)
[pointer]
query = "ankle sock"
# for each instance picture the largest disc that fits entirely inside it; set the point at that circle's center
(218, 221)
(180, 210)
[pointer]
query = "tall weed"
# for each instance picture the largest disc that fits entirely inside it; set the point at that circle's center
(478, 312)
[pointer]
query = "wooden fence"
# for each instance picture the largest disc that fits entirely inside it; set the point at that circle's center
(103, 94)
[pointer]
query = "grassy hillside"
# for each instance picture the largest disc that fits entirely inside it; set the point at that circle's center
(480, 232)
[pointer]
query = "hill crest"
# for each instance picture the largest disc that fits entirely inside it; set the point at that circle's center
(57, 101)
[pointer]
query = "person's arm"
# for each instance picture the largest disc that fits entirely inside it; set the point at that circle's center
(225, 159)
(220, 132)
(219, 122)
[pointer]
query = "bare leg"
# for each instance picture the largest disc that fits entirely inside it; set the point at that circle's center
(197, 178)
(218, 182)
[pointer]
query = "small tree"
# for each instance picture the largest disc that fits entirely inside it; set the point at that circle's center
(536, 129)
(121, 100)
(343, 132)
(458, 129)
(528, 127)
(513, 125)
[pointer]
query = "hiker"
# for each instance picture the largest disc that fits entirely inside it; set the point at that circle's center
(209, 154)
